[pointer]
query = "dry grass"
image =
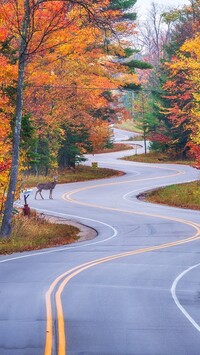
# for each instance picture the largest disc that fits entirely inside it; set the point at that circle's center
(35, 233)
(184, 195)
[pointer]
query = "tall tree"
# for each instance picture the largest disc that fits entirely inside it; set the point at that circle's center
(180, 100)
(33, 23)
(182, 89)
(8, 75)
(174, 84)
(154, 34)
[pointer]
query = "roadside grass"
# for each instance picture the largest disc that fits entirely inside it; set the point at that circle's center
(128, 125)
(81, 173)
(36, 233)
(116, 148)
(181, 195)
(153, 157)
(184, 195)
(136, 138)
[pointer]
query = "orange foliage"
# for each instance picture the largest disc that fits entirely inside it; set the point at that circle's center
(183, 89)
(99, 134)
(67, 83)
(67, 70)
(8, 74)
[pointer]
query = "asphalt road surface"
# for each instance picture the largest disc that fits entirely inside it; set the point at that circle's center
(133, 290)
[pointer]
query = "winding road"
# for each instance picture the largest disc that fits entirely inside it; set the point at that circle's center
(133, 290)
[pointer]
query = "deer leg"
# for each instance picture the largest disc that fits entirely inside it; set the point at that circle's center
(50, 195)
(41, 194)
(36, 194)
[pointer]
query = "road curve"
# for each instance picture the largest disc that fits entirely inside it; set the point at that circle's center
(134, 289)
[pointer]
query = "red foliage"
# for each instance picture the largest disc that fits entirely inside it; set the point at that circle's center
(159, 137)
(195, 153)
(5, 165)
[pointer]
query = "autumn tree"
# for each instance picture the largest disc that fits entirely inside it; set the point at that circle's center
(174, 86)
(33, 26)
(76, 85)
(8, 76)
(179, 102)
(182, 88)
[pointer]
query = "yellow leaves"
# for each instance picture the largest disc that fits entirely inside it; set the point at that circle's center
(191, 62)
(127, 78)
(8, 72)
(192, 46)
(23, 160)
(184, 88)
(8, 75)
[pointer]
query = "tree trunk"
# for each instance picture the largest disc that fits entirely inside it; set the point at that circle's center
(145, 141)
(6, 223)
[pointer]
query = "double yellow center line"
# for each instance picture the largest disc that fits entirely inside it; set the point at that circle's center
(64, 278)
(61, 281)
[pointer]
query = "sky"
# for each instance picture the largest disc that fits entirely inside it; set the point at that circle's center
(143, 5)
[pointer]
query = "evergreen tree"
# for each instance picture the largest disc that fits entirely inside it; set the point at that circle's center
(73, 144)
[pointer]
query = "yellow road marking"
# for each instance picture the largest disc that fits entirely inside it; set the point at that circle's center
(80, 268)
(68, 275)
(60, 315)
(67, 197)
(49, 325)
(178, 172)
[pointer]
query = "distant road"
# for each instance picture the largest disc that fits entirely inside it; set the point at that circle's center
(121, 135)
(133, 290)
(127, 137)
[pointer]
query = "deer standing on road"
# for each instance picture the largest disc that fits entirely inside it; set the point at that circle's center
(46, 186)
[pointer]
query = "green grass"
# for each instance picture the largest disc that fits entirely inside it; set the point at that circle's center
(184, 195)
(156, 158)
(128, 125)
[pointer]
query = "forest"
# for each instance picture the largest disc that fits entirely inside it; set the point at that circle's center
(67, 69)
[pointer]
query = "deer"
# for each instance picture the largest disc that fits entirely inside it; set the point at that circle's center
(46, 186)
